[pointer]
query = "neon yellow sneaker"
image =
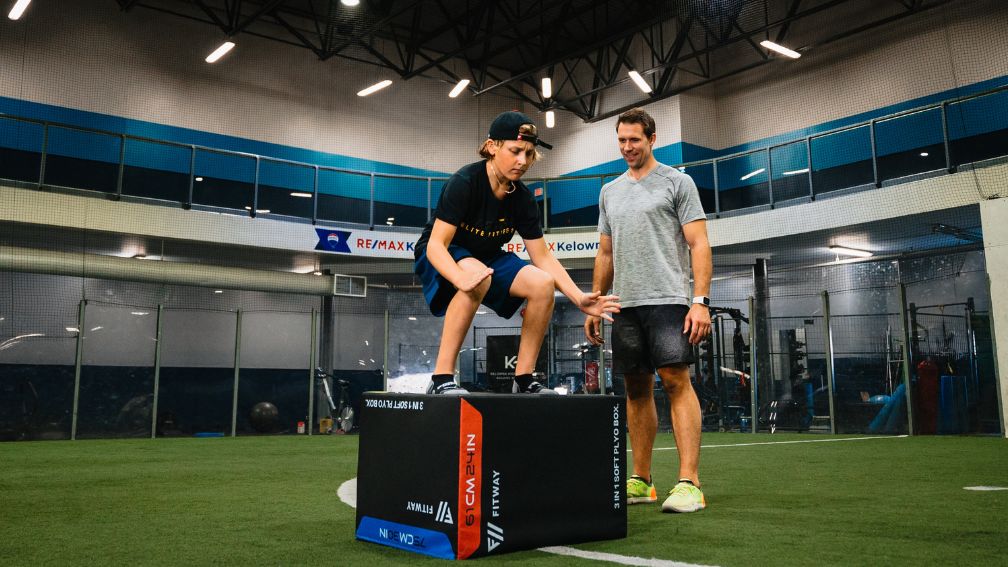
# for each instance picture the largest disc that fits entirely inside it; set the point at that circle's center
(640, 491)
(684, 498)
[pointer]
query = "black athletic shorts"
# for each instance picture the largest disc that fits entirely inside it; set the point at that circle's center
(648, 337)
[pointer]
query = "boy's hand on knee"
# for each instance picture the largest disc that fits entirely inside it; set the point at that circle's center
(473, 279)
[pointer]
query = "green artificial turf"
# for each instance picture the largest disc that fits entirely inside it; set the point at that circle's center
(272, 501)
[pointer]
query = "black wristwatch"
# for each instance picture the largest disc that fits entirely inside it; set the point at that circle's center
(702, 299)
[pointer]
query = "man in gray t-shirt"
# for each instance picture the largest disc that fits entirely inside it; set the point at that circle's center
(652, 230)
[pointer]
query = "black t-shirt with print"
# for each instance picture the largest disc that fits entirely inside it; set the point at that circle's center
(483, 222)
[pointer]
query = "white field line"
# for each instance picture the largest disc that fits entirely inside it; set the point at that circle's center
(785, 442)
(615, 558)
(985, 488)
(348, 492)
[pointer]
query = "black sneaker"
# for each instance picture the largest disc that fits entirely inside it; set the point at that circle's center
(447, 389)
(534, 388)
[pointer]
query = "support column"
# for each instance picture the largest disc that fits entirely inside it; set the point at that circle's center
(995, 233)
(760, 321)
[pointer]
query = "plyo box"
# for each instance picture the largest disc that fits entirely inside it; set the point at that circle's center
(483, 474)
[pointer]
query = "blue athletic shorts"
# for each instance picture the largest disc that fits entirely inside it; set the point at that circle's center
(648, 337)
(439, 292)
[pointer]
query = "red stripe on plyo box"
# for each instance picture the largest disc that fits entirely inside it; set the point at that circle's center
(470, 479)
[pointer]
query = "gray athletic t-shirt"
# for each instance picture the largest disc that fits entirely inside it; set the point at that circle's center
(651, 259)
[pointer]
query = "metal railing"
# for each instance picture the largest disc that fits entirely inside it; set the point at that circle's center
(859, 155)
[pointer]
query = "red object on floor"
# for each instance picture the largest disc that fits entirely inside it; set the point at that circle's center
(926, 400)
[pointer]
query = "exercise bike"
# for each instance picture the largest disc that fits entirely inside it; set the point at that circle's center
(343, 413)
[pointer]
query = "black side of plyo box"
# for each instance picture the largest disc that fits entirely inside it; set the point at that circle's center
(548, 471)
(407, 472)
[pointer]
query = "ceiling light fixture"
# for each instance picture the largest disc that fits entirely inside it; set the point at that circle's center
(641, 83)
(851, 251)
(780, 49)
(550, 119)
(462, 84)
(752, 174)
(795, 172)
(374, 88)
(350, 3)
(547, 87)
(220, 52)
(924, 154)
(19, 7)
(198, 179)
(301, 195)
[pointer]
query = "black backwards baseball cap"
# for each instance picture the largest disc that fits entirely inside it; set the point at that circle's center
(507, 126)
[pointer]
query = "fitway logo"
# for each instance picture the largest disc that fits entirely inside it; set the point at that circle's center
(443, 515)
(495, 536)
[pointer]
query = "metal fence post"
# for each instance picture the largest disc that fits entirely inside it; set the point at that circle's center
(122, 165)
(945, 138)
(830, 363)
(255, 190)
(906, 358)
(192, 176)
(874, 154)
(808, 160)
(45, 151)
(385, 342)
(237, 367)
(717, 192)
(753, 402)
(157, 370)
(312, 363)
(545, 208)
(371, 206)
(78, 358)
(769, 161)
(315, 198)
(601, 359)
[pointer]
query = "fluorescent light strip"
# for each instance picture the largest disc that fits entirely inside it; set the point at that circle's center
(547, 87)
(752, 174)
(375, 88)
(350, 3)
(550, 119)
(796, 172)
(641, 83)
(302, 195)
(220, 52)
(19, 7)
(851, 251)
(780, 49)
(462, 84)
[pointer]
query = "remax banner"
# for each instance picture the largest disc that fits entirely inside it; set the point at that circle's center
(374, 244)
